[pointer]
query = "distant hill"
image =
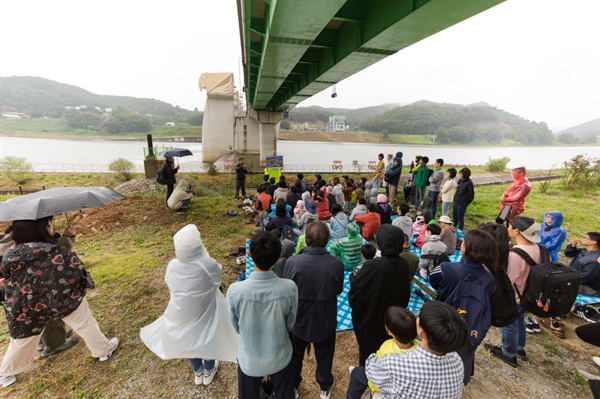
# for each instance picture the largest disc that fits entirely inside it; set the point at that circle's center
(43, 97)
(591, 128)
(456, 123)
(354, 117)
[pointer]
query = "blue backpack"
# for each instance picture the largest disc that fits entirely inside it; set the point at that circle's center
(472, 303)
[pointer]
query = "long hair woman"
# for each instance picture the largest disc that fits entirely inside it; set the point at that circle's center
(44, 282)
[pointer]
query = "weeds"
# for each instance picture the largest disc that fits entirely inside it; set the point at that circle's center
(553, 346)
(582, 172)
(497, 165)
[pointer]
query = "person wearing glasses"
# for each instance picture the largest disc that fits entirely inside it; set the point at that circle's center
(586, 262)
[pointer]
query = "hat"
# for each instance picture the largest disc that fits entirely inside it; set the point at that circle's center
(520, 169)
(311, 206)
(528, 228)
(445, 219)
(381, 198)
(420, 219)
(318, 176)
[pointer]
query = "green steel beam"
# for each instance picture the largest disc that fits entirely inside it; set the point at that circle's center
(295, 49)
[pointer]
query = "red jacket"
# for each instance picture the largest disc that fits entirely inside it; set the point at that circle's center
(372, 223)
(263, 202)
(323, 208)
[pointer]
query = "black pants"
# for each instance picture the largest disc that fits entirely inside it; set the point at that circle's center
(324, 351)
(240, 185)
(467, 355)
(170, 188)
(53, 335)
(283, 381)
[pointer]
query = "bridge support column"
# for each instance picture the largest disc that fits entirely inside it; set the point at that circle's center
(268, 127)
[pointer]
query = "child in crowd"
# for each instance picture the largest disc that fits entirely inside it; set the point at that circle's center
(401, 325)
(322, 206)
(371, 222)
(348, 249)
(404, 221)
(348, 190)
(367, 252)
(338, 222)
(361, 209)
(299, 210)
(384, 209)
(433, 246)
(552, 233)
(265, 347)
(447, 190)
(418, 226)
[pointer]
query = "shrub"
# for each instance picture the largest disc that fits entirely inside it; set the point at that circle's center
(16, 169)
(123, 167)
(582, 171)
(496, 165)
(212, 170)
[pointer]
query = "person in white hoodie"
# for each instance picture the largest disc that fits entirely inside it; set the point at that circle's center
(181, 197)
(404, 221)
(195, 324)
(433, 246)
(448, 188)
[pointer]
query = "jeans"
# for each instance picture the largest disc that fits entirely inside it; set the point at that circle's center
(419, 197)
(197, 365)
(433, 195)
(458, 214)
(358, 383)
(185, 203)
(445, 206)
(514, 335)
(376, 184)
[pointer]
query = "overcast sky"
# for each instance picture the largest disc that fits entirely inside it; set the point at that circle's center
(539, 59)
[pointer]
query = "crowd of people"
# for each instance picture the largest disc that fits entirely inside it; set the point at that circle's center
(310, 234)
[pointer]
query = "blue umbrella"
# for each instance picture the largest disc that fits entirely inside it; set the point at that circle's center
(175, 152)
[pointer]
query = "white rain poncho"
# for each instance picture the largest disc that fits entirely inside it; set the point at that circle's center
(196, 322)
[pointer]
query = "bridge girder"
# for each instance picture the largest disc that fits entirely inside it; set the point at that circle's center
(294, 49)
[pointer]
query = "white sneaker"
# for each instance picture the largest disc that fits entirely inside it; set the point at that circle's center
(113, 344)
(199, 377)
(327, 394)
(350, 368)
(6, 380)
(209, 376)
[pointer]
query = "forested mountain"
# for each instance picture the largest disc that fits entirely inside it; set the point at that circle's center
(454, 123)
(37, 97)
(585, 133)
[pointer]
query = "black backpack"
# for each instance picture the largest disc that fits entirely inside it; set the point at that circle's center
(437, 258)
(502, 301)
(160, 176)
(551, 288)
(472, 303)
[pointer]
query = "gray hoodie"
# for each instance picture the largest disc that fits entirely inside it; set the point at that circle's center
(435, 181)
(433, 246)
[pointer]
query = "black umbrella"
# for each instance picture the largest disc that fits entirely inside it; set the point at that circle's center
(56, 200)
(175, 152)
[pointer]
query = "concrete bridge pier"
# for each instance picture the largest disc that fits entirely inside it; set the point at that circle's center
(268, 129)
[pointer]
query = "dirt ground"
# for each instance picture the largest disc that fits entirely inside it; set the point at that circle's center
(122, 308)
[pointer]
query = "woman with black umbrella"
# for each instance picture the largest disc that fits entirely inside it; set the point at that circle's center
(170, 172)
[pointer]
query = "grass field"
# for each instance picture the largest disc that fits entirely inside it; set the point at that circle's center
(127, 245)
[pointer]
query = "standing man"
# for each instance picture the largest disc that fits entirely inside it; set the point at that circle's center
(435, 183)
(524, 231)
(421, 181)
(262, 309)
(380, 283)
(170, 173)
(393, 176)
(378, 175)
(516, 194)
(240, 178)
(319, 277)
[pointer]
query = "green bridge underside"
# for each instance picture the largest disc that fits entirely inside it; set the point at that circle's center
(293, 49)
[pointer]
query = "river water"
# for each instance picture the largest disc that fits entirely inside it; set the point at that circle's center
(95, 155)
